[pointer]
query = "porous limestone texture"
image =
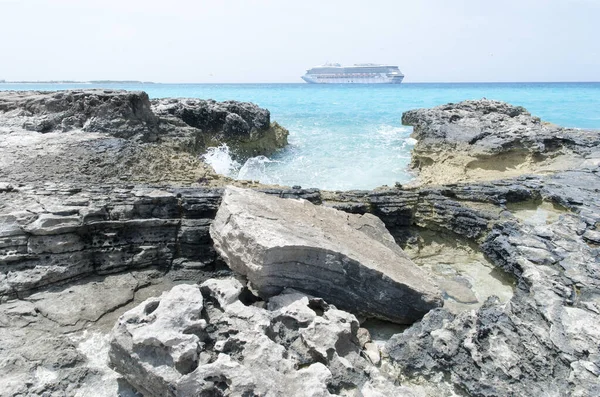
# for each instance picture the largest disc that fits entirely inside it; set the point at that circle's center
(541, 342)
(349, 260)
(485, 140)
(544, 340)
(118, 113)
(244, 126)
(111, 136)
(211, 340)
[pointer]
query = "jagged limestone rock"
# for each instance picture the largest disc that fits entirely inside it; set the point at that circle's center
(245, 127)
(197, 340)
(94, 220)
(55, 342)
(53, 234)
(486, 140)
(110, 136)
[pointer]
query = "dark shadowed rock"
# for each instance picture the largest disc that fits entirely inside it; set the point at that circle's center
(229, 117)
(246, 127)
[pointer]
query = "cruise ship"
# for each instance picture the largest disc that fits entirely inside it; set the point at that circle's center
(362, 73)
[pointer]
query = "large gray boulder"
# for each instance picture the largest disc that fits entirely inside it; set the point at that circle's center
(349, 260)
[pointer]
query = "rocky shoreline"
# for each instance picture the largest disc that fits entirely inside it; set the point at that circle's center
(104, 205)
(107, 136)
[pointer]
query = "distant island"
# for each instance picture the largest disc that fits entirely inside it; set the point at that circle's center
(77, 82)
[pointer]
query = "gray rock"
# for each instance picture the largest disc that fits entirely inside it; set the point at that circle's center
(349, 260)
(243, 125)
(55, 343)
(121, 114)
(54, 234)
(541, 342)
(70, 211)
(485, 140)
(201, 340)
(96, 136)
(229, 117)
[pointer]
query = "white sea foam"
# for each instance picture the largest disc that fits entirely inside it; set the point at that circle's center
(219, 158)
(255, 169)
(393, 131)
(335, 159)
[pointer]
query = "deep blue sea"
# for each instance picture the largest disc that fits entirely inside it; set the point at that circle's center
(351, 137)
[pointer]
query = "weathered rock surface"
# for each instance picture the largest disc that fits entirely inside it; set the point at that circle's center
(243, 125)
(82, 227)
(55, 233)
(485, 140)
(120, 114)
(350, 260)
(55, 343)
(106, 136)
(543, 341)
(209, 340)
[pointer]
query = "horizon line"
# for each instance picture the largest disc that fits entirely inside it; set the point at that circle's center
(108, 81)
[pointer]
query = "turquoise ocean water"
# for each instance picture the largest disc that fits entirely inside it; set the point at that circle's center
(351, 137)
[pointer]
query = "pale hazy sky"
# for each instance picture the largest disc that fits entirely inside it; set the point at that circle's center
(275, 41)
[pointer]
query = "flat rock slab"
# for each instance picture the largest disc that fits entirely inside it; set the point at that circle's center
(72, 305)
(349, 260)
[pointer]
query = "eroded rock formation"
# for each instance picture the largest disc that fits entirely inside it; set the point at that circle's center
(541, 342)
(486, 140)
(209, 340)
(244, 126)
(107, 136)
(55, 342)
(120, 114)
(53, 234)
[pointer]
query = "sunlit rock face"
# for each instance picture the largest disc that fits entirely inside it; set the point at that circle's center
(350, 260)
(487, 140)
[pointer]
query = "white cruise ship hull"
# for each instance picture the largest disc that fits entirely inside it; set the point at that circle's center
(341, 79)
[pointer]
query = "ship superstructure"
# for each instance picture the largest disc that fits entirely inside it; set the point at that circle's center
(362, 73)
